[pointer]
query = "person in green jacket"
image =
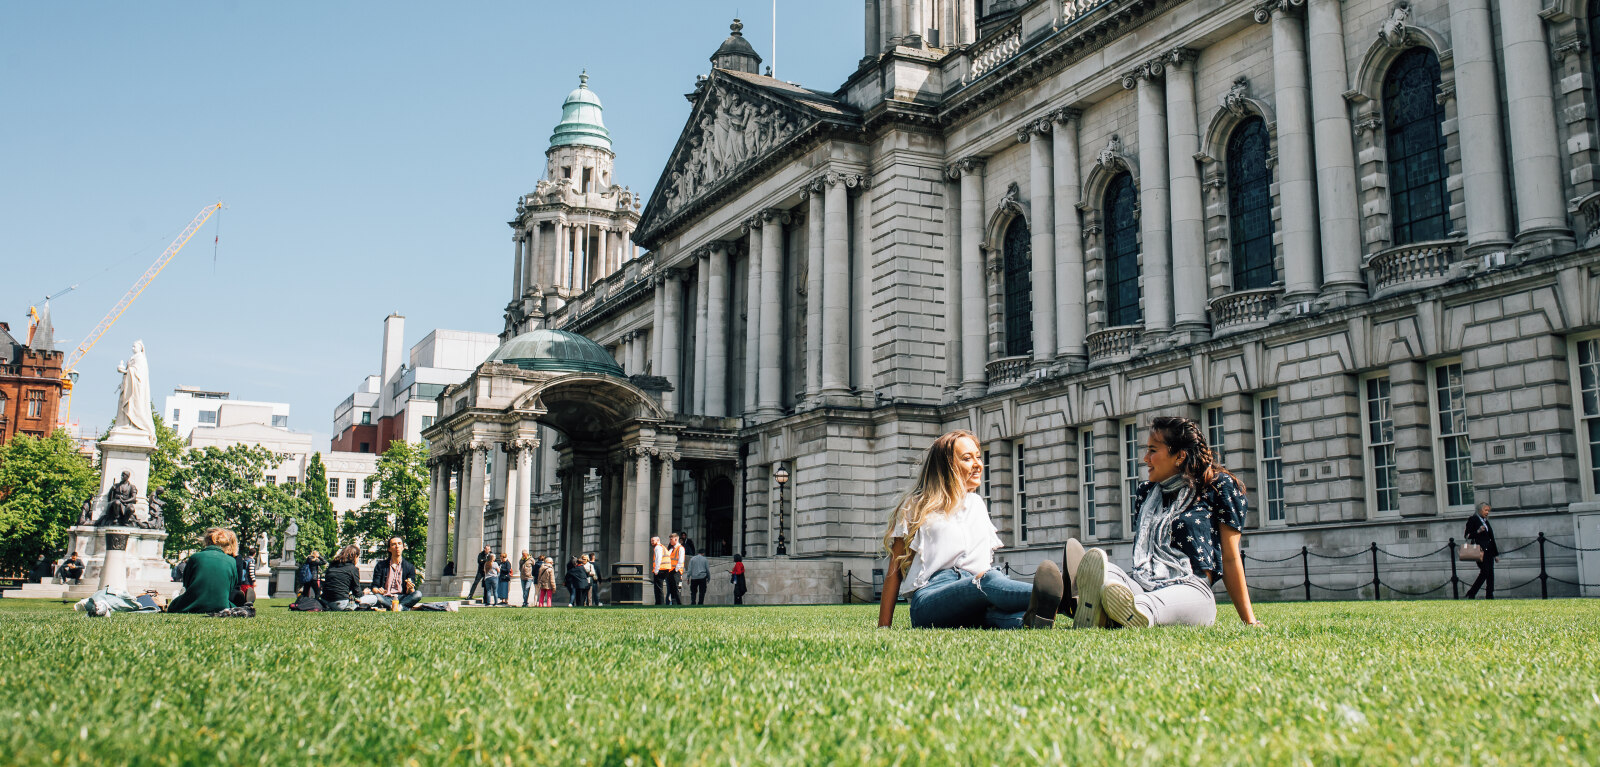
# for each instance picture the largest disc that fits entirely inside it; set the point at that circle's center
(211, 577)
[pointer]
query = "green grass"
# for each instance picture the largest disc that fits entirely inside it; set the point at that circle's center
(1508, 682)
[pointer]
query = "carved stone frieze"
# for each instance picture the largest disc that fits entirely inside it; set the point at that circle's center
(732, 131)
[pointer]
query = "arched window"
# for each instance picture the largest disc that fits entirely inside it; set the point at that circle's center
(1018, 264)
(1250, 206)
(1419, 204)
(1122, 253)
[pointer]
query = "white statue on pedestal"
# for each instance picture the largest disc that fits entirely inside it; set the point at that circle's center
(133, 399)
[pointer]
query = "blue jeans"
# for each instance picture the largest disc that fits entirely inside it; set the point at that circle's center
(954, 599)
(526, 584)
(491, 590)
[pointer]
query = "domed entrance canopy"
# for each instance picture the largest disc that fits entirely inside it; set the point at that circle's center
(556, 351)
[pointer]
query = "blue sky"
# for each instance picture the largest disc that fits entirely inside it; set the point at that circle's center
(369, 155)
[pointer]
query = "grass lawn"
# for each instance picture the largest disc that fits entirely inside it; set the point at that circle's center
(1506, 682)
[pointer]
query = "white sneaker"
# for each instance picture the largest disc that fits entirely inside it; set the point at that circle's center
(1116, 601)
(452, 607)
(1091, 576)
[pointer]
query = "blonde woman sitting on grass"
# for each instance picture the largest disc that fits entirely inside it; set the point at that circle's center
(1187, 520)
(941, 551)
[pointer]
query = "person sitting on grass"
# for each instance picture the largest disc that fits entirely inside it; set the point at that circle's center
(211, 576)
(941, 551)
(341, 585)
(73, 568)
(1186, 519)
(395, 578)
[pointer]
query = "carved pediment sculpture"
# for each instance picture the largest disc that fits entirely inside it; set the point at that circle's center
(1237, 98)
(1396, 30)
(727, 132)
(1111, 157)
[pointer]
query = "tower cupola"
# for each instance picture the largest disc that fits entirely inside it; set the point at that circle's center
(736, 53)
(581, 123)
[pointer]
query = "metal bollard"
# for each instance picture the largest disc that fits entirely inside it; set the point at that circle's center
(1375, 583)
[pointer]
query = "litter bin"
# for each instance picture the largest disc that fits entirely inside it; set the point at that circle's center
(627, 583)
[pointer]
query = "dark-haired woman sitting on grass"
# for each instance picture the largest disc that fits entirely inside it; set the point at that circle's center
(941, 551)
(341, 586)
(210, 576)
(1187, 520)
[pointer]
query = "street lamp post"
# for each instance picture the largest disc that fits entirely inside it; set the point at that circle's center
(782, 477)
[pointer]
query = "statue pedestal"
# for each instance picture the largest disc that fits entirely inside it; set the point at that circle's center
(143, 565)
(128, 451)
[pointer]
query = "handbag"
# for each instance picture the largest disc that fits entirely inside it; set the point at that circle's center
(1470, 552)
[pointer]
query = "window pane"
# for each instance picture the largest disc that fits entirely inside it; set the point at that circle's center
(1122, 252)
(1271, 459)
(1414, 138)
(1086, 473)
(1250, 206)
(1018, 263)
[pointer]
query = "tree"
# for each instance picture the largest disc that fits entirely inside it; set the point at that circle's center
(400, 501)
(319, 531)
(225, 487)
(43, 484)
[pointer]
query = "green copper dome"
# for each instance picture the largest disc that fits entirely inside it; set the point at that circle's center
(556, 351)
(580, 119)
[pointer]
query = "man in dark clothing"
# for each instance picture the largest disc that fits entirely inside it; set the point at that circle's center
(484, 558)
(395, 578)
(72, 569)
(1479, 532)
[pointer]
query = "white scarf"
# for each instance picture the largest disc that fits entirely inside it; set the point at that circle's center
(1156, 562)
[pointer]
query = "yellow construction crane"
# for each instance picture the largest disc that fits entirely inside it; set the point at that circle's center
(69, 372)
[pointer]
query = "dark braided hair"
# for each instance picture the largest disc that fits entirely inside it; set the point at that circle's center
(1183, 435)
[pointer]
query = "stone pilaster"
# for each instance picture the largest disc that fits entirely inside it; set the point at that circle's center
(1072, 320)
(835, 286)
(1155, 202)
(974, 339)
(702, 299)
(1483, 159)
(670, 289)
(716, 330)
(814, 276)
(1336, 164)
(1041, 201)
(770, 392)
(1530, 105)
(752, 312)
(1296, 171)
(1188, 214)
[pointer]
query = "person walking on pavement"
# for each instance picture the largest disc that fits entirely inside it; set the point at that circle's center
(737, 578)
(485, 558)
(525, 567)
(1479, 532)
(660, 565)
(699, 575)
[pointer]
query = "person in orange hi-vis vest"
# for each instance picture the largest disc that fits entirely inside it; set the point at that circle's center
(675, 574)
(660, 566)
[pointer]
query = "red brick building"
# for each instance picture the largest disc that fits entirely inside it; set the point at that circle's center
(30, 383)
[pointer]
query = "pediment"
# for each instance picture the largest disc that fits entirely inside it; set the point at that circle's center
(738, 121)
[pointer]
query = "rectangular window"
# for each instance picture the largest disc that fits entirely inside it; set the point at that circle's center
(984, 491)
(333, 487)
(1455, 453)
(1086, 481)
(1215, 436)
(271, 480)
(1271, 459)
(1384, 479)
(350, 488)
(35, 404)
(427, 421)
(280, 421)
(291, 480)
(1021, 495)
(1587, 387)
(366, 417)
(175, 412)
(208, 416)
(366, 488)
(1130, 467)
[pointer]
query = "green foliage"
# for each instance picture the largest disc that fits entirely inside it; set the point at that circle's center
(225, 487)
(399, 505)
(319, 530)
(43, 484)
(1508, 682)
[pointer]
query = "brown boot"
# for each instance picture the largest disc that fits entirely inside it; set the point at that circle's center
(1048, 589)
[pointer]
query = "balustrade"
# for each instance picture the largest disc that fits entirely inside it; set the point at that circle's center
(1410, 266)
(1243, 308)
(1112, 343)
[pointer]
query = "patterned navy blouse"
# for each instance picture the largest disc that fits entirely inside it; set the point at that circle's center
(1198, 532)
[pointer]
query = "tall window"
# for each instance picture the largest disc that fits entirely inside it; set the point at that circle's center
(1216, 437)
(1271, 458)
(1250, 206)
(333, 487)
(1122, 253)
(987, 472)
(1018, 266)
(366, 488)
(1419, 204)
(1086, 481)
(1385, 478)
(350, 487)
(35, 400)
(3, 404)
(175, 413)
(1450, 403)
(1588, 390)
(1021, 494)
(366, 417)
(1130, 467)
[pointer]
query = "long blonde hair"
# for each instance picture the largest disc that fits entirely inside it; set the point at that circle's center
(939, 489)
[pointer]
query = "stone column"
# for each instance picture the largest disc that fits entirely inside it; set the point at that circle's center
(668, 286)
(1155, 212)
(472, 506)
(1072, 318)
(835, 286)
(974, 335)
(873, 46)
(664, 499)
(702, 301)
(815, 267)
(1188, 213)
(952, 286)
(752, 317)
(1336, 164)
(770, 401)
(1296, 166)
(717, 330)
(607, 266)
(531, 266)
(524, 493)
(1483, 159)
(658, 309)
(433, 564)
(508, 509)
(1530, 103)
(516, 266)
(638, 350)
(1041, 202)
(558, 267)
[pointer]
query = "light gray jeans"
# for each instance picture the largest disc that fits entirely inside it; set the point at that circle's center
(1187, 603)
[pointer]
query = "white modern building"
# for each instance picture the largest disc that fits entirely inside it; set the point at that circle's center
(398, 403)
(188, 406)
(350, 475)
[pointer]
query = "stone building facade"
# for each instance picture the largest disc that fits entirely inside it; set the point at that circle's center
(1356, 239)
(31, 381)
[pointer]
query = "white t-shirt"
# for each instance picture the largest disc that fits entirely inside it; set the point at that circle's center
(964, 539)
